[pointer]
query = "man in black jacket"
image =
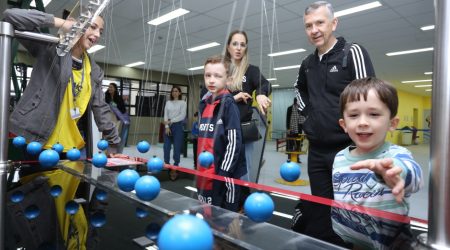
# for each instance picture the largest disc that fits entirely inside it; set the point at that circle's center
(322, 77)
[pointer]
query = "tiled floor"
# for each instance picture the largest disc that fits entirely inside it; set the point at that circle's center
(273, 160)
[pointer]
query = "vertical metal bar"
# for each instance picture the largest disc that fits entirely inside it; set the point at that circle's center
(439, 191)
(6, 35)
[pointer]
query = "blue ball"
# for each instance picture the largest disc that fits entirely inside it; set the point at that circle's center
(155, 165)
(143, 146)
(58, 147)
(17, 196)
(72, 207)
(34, 148)
(127, 179)
(290, 171)
(19, 142)
(185, 232)
(48, 158)
(205, 159)
(73, 154)
(147, 188)
(101, 195)
(102, 144)
(152, 231)
(98, 219)
(55, 190)
(259, 207)
(32, 212)
(99, 160)
(141, 213)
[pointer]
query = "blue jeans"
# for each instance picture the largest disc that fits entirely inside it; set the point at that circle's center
(177, 140)
(249, 160)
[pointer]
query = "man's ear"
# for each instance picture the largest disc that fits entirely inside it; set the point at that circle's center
(394, 123)
(342, 124)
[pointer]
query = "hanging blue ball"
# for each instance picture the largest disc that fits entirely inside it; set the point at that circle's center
(48, 158)
(73, 154)
(19, 142)
(32, 212)
(126, 180)
(205, 159)
(185, 232)
(58, 147)
(141, 213)
(98, 219)
(152, 231)
(17, 196)
(147, 188)
(290, 171)
(72, 207)
(34, 148)
(99, 160)
(101, 195)
(55, 190)
(155, 165)
(143, 147)
(102, 145)
(259, 207)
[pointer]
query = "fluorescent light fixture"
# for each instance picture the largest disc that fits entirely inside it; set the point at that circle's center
(358, 8)
(414, 81)
(409, 51)
(275, 85)
(95, 48)
(428, 90)
(197, 68)
(169, 16)
(193, 189)
(271, 79)
(287, 52)
(287, 216)
(204, 46)
(45, 2)
(134, 64)
(423, 86)
(428, 73)
(287, 67)
(429, 27)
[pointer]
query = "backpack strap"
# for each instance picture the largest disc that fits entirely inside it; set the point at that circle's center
(346, 49)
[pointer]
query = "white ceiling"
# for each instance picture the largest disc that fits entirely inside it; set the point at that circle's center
(272, 25)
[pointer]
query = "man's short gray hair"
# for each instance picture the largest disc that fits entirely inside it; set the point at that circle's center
(314, 6)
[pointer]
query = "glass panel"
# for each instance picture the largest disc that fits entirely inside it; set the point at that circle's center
(133, 97)
(132, 111)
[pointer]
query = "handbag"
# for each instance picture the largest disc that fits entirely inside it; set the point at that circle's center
(250, 131)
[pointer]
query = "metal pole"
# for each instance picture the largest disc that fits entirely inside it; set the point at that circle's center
(439, 192)
(6, 35)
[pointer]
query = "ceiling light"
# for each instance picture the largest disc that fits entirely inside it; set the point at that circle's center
(287, 52)
(429, 27)
(357, 9)
(271, 79)
(95, 48)
(169, 16)
(413, 81)
(287, 67)
(275, 85)
(45, 3)
(409, 51)
(134, 64)
(423, 86)
(428, 73)
(197, 68)
(428, 90)
(204, 46)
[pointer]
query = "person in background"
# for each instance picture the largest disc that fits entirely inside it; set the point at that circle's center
(294, 122)
(174, 116)
(194, 134)
(322, 77)
(112, 97)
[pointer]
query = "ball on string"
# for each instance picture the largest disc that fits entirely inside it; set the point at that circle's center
(141, 213)
(19, 142)
(102, 145)
(185, 231)
(126, 179)
(152, 231)
(58, 147)
(290, 171)
(143, 146)
(55, 190)
(98, 219)
(48, 158)
(32, 212)
(17, 196)
(72, 207)
(205, 159)
(155, 165)
(147, 188)
(101, 195)
(73, 154)
(259, 207)
(99, 160)
(34, 148)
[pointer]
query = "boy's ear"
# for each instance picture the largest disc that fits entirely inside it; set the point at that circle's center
(342, 124)
(394, 123)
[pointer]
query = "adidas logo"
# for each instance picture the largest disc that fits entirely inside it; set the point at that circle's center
(334, 69)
